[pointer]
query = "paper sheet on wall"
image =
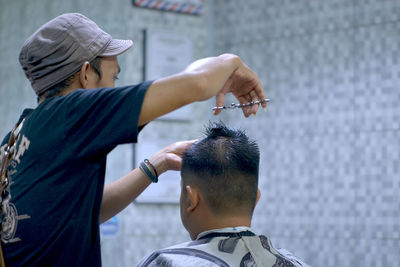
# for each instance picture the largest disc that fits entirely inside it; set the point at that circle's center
(168, 53)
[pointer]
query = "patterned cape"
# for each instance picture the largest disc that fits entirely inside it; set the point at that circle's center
(237, 246)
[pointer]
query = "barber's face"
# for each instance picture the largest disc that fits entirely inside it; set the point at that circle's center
(109, 70)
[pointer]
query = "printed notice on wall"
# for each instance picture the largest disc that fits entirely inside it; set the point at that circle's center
(168, 53)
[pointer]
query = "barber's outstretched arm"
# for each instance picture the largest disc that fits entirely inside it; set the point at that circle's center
(201, 80)
(120, 193)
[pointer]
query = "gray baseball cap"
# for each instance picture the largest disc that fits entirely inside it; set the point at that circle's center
(58, 49)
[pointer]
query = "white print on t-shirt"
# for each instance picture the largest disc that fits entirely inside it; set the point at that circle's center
(23, 146)
(9, 210)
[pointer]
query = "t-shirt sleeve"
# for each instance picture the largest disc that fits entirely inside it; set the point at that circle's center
(97, 120)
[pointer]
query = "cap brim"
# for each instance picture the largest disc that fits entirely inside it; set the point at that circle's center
(116, 47)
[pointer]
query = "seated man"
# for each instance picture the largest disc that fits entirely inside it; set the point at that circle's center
(219, 190)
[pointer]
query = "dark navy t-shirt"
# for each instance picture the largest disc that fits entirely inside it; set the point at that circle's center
(57, 175)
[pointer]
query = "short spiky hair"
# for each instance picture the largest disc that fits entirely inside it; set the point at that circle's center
(224, 166)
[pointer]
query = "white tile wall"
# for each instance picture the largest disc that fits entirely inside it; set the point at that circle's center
(330, 155)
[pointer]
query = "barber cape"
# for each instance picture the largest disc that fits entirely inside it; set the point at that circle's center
(237, 246)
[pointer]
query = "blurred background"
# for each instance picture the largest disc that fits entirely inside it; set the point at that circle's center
(329, 141)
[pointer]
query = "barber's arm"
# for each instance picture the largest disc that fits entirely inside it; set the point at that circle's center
(120, 193)
(201, 80)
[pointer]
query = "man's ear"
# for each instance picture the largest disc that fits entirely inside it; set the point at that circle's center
(193, 198)
(258, 196)
(84, 75)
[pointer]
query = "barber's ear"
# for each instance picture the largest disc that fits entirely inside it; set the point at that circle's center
(258, 196)
(192, 198)
(84, 75)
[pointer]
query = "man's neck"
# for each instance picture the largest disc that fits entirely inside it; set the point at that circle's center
(64, 92)
(227, 231)
(220, 222)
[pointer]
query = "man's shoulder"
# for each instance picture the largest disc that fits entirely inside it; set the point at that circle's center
(96, 96)
(24, 114)
(185, 254)
(223, 251)
(282, 256)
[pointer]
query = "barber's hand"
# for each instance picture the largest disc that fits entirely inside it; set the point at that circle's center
(225, 74)
(170, 157)
(245, 85)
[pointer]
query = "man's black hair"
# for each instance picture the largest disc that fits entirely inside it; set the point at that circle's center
(63, 85)
(224, 166)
